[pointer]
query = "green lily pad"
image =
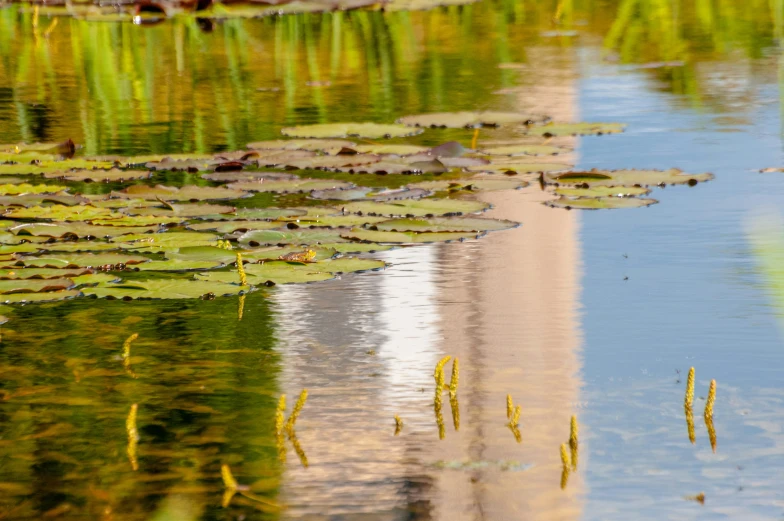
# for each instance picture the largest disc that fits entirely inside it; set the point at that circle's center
(159, 241)
(186, 193)
(184, 210)
(576, 129)
(42, 273)
(62, 213)
(165, 289)
(336, 221)
(359, 234)
(245, 175)
(235, 226)
(179, 265)
(34, 285)
(289, 186)
(470, 119)
(78, 260)
(397, 150)
(138, 220)
(99, 176)
(275, 253)
(211, 254)
(5, 249)
(40, 199)
(598, 203)
(525, 150)
(77, 229)
(341, 194)
(49, 167)
(519, 167)
(277, 272)
(401, 194)
(51, 296)
(357, 247)
(471, 184)
(445, 224)
(317, 145)
(190, 165)
(91, 279)
(602, 191)
(299, 237)
(339, 162)
(342, 130)
(595, 178)
(152, 158)
(25, 188)
(77, 246)
(256, 214)
(417, 207)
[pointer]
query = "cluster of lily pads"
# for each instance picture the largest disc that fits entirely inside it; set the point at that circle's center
(271, 203)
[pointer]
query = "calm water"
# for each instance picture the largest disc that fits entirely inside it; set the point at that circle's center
(598, 314)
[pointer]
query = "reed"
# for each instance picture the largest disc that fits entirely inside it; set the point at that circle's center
(241, 270)
(689, 398)
(228, 478)
(515, 421)
(439, 420)
(564, 477)
(455, 379)
(509, 407)
(398, 425)
(710, 401)
(565, 462)
(303, 397)
(574, 444)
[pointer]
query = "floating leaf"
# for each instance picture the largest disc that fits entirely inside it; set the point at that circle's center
(341, 194)
(470, 184)
(62, 213)
(189, 165)
(281, 272)
(288, 186)
(254, 214)
(34, 285)
(405, 237)
(417, 208)
(76, 229)
(42, 273)
(318, 145)
(525, 150)
(99, 176)
(77, 246)
(445, 224)
(602, 191)
(398, 150)
(185, 210)
(333, 221)
(49, 167)
(22, 298)
(202, 253)
(401, 194)
(364, 130)
(159, 241)
(179, 265)
(37, 200)
(25, 188)
(597, 203)
(137, 220)
(235, 226)
(576, 129)
(186, 193)
(90, 279)
(301, 237)
(339, 162)
(165, 289)
(519, 167)
(594, 178)
(79, 260)
(470, 119)
(244, 175)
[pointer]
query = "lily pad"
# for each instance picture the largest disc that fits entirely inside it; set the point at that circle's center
(402, 194)
(40, 199)
(234, 226)
(299, 237)
(525, 150)
(289, 186)
(165, 289)
(598, 203)
(34, 285)
(186, 193)
(445, 224)
(77, 246)
(417, 207)
(79, 260)
(25, 188)
(339, 162)
(42, 273)
(184, 210)
(317, 145)
(137, 220)
(157, 241)
(341, 194)
(190, 165)
(519, 167)
(281, 272)
(398, 150)
(336, 221)
(98, 176)
(260, 214)
(76, 229)
(576, 129)
(602, 191)
(62, 213)
(471, 184)
(342, 130)
(23, 298)
(244, 175)
(49, 167)
(359, 234)
(179, 265)
(470, 119)
(202, 253)
(594, 178)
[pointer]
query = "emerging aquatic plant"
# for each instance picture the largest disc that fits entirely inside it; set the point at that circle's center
(232, 487)
(710, 401)
(398, 425)
(133, 437)
(565, 456)
(509, 407)
(689, 399)
(126, 356)
(574, 441)
(228, 478)
(241, 270)
(516, 416)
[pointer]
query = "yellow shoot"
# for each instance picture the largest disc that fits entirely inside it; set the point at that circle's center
(438, 374)
(573, 432)
(516, 416)
(398, 425)
(455, 411)
(690, 425)
(303, 459)
(689, 399)
(565, 457)
(303, 397)
(455, 378)
(564, 477)
(710, 401)
(280, 413)
(516, 433)
(133, 437)
(509, 406)
(241, 270)
(475, 138)
(439, 420)
(228, 479)
(711, 433)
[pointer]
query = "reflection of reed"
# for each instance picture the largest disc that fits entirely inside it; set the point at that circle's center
(126, 356)
(574, 441)
(711, 432)
(398, 425)
(133, 437)
(439, 419)
(690, 424)
(303, 397)
(241, 307)
(455, 410)
(565, 463)
(297, 447)
(564, 477)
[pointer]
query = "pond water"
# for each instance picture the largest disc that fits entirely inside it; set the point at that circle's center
(597, 314)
